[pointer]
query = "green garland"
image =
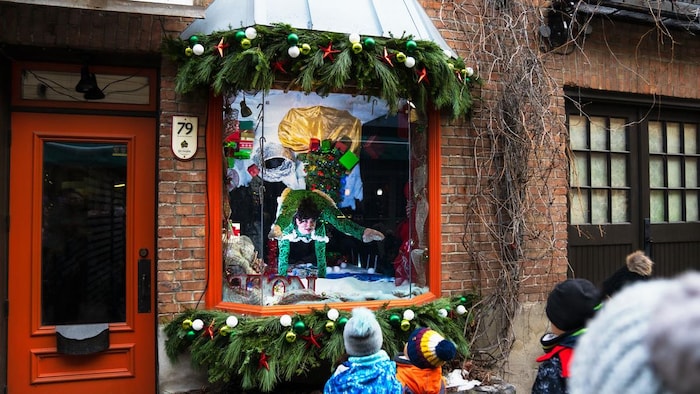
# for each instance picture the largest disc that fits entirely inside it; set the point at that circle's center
(261, 352)
(325, 62)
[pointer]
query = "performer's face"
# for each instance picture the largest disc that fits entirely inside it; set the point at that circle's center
(305, 226)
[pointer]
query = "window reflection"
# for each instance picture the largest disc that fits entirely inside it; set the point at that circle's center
(327, 200)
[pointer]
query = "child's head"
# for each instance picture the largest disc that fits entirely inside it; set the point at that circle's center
(571, 303)
(362, 334)
(428, 349)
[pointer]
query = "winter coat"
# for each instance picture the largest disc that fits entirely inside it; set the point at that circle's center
(373, 374)
(553, 371)
(419, 380)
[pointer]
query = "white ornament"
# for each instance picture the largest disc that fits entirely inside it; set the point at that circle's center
(336, 268)
(333, 314)
(198, 49)
(442, 312)
(343, 265)
(461, 310)
(197, 324)
(293, 51)
(410, 62)
(251, 33)
(370, 270)
(231, 321)
(354, 38)
(408, 314)
(470, 71)
(285, 320)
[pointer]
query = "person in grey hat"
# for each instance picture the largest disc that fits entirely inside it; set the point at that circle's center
(368, 369)
(645, 340)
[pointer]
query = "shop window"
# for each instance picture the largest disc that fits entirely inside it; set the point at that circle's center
(326, 200)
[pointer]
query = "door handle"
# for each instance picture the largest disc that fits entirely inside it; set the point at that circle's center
(144, 286)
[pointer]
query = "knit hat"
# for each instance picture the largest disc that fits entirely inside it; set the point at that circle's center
(645, 340)
(362, 334)
(571, 303)
(428, 349)
(637, 267)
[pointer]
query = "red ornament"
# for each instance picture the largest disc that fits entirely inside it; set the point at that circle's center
(387, 57)
(262, 363)
(221, 46)
(279, 67)
(329, 51)
(423, 76)
(210, 330)
(311, 339)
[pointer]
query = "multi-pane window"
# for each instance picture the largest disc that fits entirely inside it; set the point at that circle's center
(599, 171)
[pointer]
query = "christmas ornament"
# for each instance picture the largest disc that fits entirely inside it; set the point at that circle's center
(411, 45)
(286, 320)
(292, 39)
(423, 75)
(198, 49)
(442, 312)
(410, 62)
(311, 339)
(299, 327)
(262, 362)
(293, 51)
(329, 51)
(387, 58)
(400, 57)
(461, 310)
(291, 336)
(251, 33)
(245, 43)
(333, 314)
(394, 320)
(356, 47)
(354, 38)
(463, 300)
(405, 325)
(240, 35)
(409, 315)
(279, 67)
(210, 329)
(224, 331)
(305, 49)
(197, 324)
(342, 321)
(188, 52)
(231, 321)
(187, 324)
(193, 40)
(330, 326)
(190, 334)
(469, 71)
(221, 46)
(369, 43)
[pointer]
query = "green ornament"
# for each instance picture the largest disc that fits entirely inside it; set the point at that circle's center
(400, 57)
(240, 35)
(305, 49)
(330, 326)
(245, 43)
(411, 45)
(299, 327)
(342, 321)
(194, 40)
(191, 334)
(292, 39)
(290, 336)
(370, 43)
(356, 48)
(405, 325)
(187, 324)
(463, 299)
(395, 320)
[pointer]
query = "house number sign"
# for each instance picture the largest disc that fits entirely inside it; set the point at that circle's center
(184, 137)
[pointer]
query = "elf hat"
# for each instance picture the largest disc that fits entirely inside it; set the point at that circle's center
(645, 340)
(428, 349)
(571, 303)
(362, 334)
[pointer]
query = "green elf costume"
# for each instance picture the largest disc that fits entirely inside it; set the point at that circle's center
(302, 216)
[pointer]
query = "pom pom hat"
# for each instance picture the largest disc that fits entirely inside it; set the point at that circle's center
(362, 334)
(645, 340)
(428, 349)
(571, 303)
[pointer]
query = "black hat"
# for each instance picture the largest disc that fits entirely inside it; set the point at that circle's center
(572, 303)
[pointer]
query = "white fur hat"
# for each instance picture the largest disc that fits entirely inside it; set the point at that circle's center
(362, 333)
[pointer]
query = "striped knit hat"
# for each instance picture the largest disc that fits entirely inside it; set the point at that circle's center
(428, 349)
(645, 340)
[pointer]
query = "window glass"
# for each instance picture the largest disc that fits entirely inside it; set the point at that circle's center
(675, 206)
(691, 206)
(577, 132)
(691, 172)
(598, 134)
(618, 169)
(657, 206)
(579, 170)
(599, 170)
(673, 138)
(618, 135)
(619, 206)
(674, 172)
(690, 136)
(656, 172)
(599, 214)
(656, 140)
(327, 200)
(579, 206)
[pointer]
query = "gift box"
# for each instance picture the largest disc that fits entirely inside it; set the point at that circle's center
(349, 160)
(314, 145)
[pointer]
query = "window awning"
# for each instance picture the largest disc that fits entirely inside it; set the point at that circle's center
(377, 18)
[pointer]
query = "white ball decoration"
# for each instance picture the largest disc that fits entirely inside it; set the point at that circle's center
(408, 314)
(286, 320)
(293, 51)
(354, 38)
(343, 265)
(231, 321)
(370, 270)
(197, 324)
(336, 268)
(470, 71)
(251, 33)
(461, 310)
(198, 49)
(442, 312)
(333, 314)
(410, 62)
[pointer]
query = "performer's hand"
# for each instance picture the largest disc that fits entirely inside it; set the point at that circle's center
(275, 232)
(371, 234)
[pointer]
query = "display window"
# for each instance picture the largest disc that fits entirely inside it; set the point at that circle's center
(325, 199)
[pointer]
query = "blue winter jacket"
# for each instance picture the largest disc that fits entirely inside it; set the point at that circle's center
(373, 374)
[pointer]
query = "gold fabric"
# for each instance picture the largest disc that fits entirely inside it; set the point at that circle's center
(300, 125)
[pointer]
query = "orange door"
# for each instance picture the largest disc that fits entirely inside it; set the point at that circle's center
(81, 294)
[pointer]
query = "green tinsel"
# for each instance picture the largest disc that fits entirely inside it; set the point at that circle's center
(267, 62)
(236, 356)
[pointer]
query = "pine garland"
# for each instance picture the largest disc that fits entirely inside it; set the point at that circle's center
(374, 68)
(258, 352)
